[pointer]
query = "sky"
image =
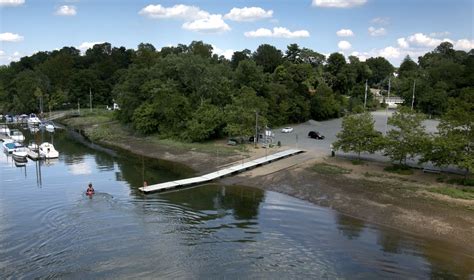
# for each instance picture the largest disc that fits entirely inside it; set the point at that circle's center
(364, 28)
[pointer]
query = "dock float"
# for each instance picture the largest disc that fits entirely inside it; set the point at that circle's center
(220, 173)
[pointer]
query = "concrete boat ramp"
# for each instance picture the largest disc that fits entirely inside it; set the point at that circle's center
(220, 173)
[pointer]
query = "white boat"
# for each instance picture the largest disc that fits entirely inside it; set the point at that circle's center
(9, 146)
(4, 129)
(48, 151)
(16, 135)
(20, 154)
(33, 147)
(49, 126)
(33, 119)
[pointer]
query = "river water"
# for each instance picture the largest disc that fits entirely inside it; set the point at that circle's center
(50, 229)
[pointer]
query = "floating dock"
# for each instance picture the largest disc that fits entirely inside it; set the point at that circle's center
(220, 173)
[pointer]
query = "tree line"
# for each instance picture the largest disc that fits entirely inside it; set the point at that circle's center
(189, 93)
(453, 144)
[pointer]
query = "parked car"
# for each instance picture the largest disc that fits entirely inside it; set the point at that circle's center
(315, 135)
(287, 129)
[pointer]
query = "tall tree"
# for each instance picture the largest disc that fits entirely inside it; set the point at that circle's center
(268, 57)
(358, 135)
(408, 138)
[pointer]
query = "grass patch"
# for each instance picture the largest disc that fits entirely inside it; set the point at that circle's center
(462, 181)
(463, 193)
(205, 147)
(324, 168)
(356, 162)
(399, 169)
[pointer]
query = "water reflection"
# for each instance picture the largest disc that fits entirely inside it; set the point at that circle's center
(350, 227)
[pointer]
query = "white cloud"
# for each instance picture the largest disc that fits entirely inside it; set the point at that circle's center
(338, 3)
(10, 37)
(345, 33)
(362, 56)
(377, 31)
(226, 53)
(389, 52)
(422, 40)
(381, 20)
(248, 14)
(261, 32)
(177, 12)
(6, 58)
(402, 43)
(439, 34)
(278, 32)
(84, 46)
(196, 19)
(11, 2)
(344, 45)
(211, 24)
(464, 44)
(66, 11)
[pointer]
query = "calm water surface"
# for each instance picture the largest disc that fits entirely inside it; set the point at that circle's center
(50, 229)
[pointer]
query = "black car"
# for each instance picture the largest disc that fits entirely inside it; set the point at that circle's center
(315, 135)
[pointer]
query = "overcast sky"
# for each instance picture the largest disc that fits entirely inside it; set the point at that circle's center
(365, 28)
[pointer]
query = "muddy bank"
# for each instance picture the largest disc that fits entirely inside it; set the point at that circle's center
(367, 194)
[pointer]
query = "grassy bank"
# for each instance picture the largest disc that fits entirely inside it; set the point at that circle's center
(102, 126)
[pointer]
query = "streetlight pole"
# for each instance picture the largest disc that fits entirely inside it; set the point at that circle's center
(413, 96)
(386, 107)
(365, 96)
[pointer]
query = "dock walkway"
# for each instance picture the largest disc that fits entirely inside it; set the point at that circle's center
(220, 173)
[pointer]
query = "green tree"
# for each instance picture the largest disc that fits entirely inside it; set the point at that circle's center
(205, 123)
(240, 114)
(268, 57)
(358, 135)
(408, 138)
(381, 69)
(454, 143)
(238, 56)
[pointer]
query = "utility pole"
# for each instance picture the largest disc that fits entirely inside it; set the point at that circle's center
(413, 96)
(386, 107)
(256, 129)
(90, 99)
(78, 107)
(365, 96)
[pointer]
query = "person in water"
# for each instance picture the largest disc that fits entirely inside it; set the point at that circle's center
(90, 189)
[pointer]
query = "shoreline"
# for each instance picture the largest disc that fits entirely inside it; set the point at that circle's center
(366, 193)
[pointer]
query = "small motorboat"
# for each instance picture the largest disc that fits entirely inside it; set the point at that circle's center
(49, 126)
(20, 154)
(9, 147)
(33, 147)
(33, 120)
(16, 135)
(48, 151)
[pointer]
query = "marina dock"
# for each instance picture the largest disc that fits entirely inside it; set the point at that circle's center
(220, 173)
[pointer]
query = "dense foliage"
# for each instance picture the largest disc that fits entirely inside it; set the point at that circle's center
(188, 92)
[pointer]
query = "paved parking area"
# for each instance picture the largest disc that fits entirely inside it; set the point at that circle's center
(299, 137)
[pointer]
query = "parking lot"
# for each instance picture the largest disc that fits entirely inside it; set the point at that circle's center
(299, 137)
